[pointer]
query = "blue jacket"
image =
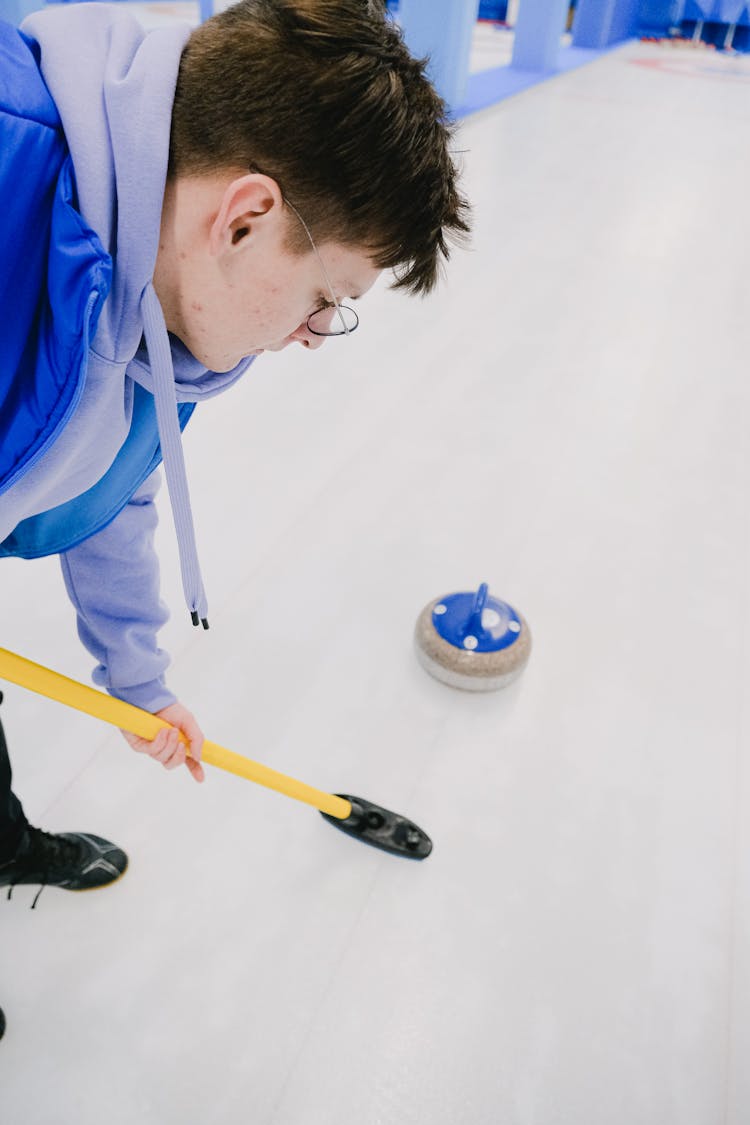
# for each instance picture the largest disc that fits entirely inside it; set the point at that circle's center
(56, 283)
(91, 387)
(54, 272)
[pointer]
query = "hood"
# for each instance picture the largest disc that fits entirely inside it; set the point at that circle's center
(113, 84)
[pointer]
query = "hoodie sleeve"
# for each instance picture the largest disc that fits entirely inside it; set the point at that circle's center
(112, 579)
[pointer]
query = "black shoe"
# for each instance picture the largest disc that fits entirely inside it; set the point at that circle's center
(76, 861)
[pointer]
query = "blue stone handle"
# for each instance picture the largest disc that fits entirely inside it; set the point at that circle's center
(474, 624)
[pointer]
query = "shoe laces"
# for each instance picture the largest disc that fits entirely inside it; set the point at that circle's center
(36, 896)
(45, 850)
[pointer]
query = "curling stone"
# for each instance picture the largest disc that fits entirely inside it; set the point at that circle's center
(472, 641)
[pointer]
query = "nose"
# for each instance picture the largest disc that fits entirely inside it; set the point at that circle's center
(308, 339)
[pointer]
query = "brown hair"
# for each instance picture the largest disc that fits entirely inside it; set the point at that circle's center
(324, 96)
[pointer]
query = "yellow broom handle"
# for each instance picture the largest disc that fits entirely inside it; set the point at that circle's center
(19, 670)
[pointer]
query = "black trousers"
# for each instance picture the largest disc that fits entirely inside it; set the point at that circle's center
(12, 818)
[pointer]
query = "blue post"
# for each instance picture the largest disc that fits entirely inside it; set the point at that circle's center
(539, 30)
(441, 29)
(14, 11)
(600, 23)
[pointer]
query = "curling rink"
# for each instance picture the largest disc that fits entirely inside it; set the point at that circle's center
(568, 419)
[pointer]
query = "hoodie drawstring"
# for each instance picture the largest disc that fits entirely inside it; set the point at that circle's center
(160, 358)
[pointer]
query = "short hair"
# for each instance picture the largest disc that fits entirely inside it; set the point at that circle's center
(324, 97)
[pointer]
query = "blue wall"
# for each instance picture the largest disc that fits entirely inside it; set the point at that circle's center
(493, 10)
(657, 16)
(600, 23)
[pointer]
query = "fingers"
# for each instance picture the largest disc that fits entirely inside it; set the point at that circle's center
(196, 770)
(168, 748)
(185, 721)
(194, 735)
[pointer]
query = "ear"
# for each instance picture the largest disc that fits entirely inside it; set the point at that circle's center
(250, 206)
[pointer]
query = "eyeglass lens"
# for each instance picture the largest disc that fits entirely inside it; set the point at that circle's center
(333, 321)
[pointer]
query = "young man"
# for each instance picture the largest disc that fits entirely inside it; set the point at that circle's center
(173, 205)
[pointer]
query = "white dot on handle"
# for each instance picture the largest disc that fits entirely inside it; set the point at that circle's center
(514, 627)
(470, 642)
(440, 609)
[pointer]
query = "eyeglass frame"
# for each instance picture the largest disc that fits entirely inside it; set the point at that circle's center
(336, 304)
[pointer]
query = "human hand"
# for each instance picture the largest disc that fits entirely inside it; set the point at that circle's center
(167, 747)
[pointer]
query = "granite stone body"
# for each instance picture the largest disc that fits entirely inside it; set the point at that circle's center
(462, 668)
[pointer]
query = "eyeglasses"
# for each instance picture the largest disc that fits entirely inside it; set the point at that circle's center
(334, 319)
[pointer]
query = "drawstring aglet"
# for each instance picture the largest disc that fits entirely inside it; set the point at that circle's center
(196, 620)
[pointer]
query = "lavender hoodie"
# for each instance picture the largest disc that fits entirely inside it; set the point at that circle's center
(113, 84)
